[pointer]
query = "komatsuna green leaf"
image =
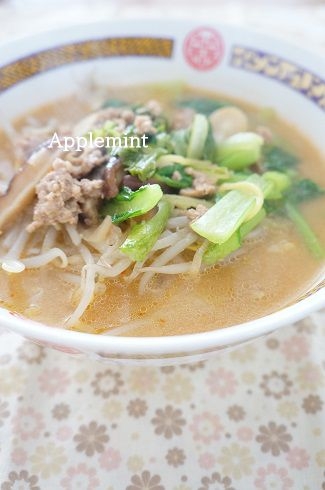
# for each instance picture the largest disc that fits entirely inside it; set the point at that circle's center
(141, 162)
(174, 176)
(202, 105)
(276, 158)
(115, 103)
(129, 204)
(304, 190)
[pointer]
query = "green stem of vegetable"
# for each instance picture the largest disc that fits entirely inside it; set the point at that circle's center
(184, 202)
(216, 252)
(250, 225)
(198, 136)
(280, 183)
(220, 222)
(179, 141)
(144, 235)
(240, 150)
(205, 166)
(305, 231)
(210, 147)
(128, 204)
(169, 159)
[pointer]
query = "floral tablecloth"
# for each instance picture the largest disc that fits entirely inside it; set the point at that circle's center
(250, 419)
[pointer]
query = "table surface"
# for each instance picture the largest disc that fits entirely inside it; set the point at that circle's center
(250, 419)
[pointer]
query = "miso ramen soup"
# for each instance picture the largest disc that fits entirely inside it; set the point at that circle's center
(157, 210)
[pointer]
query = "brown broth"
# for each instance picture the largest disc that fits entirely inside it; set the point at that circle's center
(273, 270)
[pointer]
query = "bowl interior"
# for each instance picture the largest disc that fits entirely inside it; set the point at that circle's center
(232, 61)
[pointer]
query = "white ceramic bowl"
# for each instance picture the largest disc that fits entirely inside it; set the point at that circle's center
(233, 61)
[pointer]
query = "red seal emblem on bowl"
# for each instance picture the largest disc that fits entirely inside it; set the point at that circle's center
(203, 48)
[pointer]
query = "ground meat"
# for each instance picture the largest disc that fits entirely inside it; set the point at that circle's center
(121, 116)
(154, 107)
(91, 194)
(113, 177)
(201, 185)
(58, 194)
(183, 118)
(82, 162)
(195, 213)
(127, 115)
(90, 188)
(144, 125)
(89, 211)
(61, 198)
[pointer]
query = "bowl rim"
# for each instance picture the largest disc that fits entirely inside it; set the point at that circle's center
(162, 345)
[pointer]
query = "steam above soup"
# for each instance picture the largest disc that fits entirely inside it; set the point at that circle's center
(205, 215)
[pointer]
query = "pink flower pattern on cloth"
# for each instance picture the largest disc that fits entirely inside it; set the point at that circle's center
(251, 418)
